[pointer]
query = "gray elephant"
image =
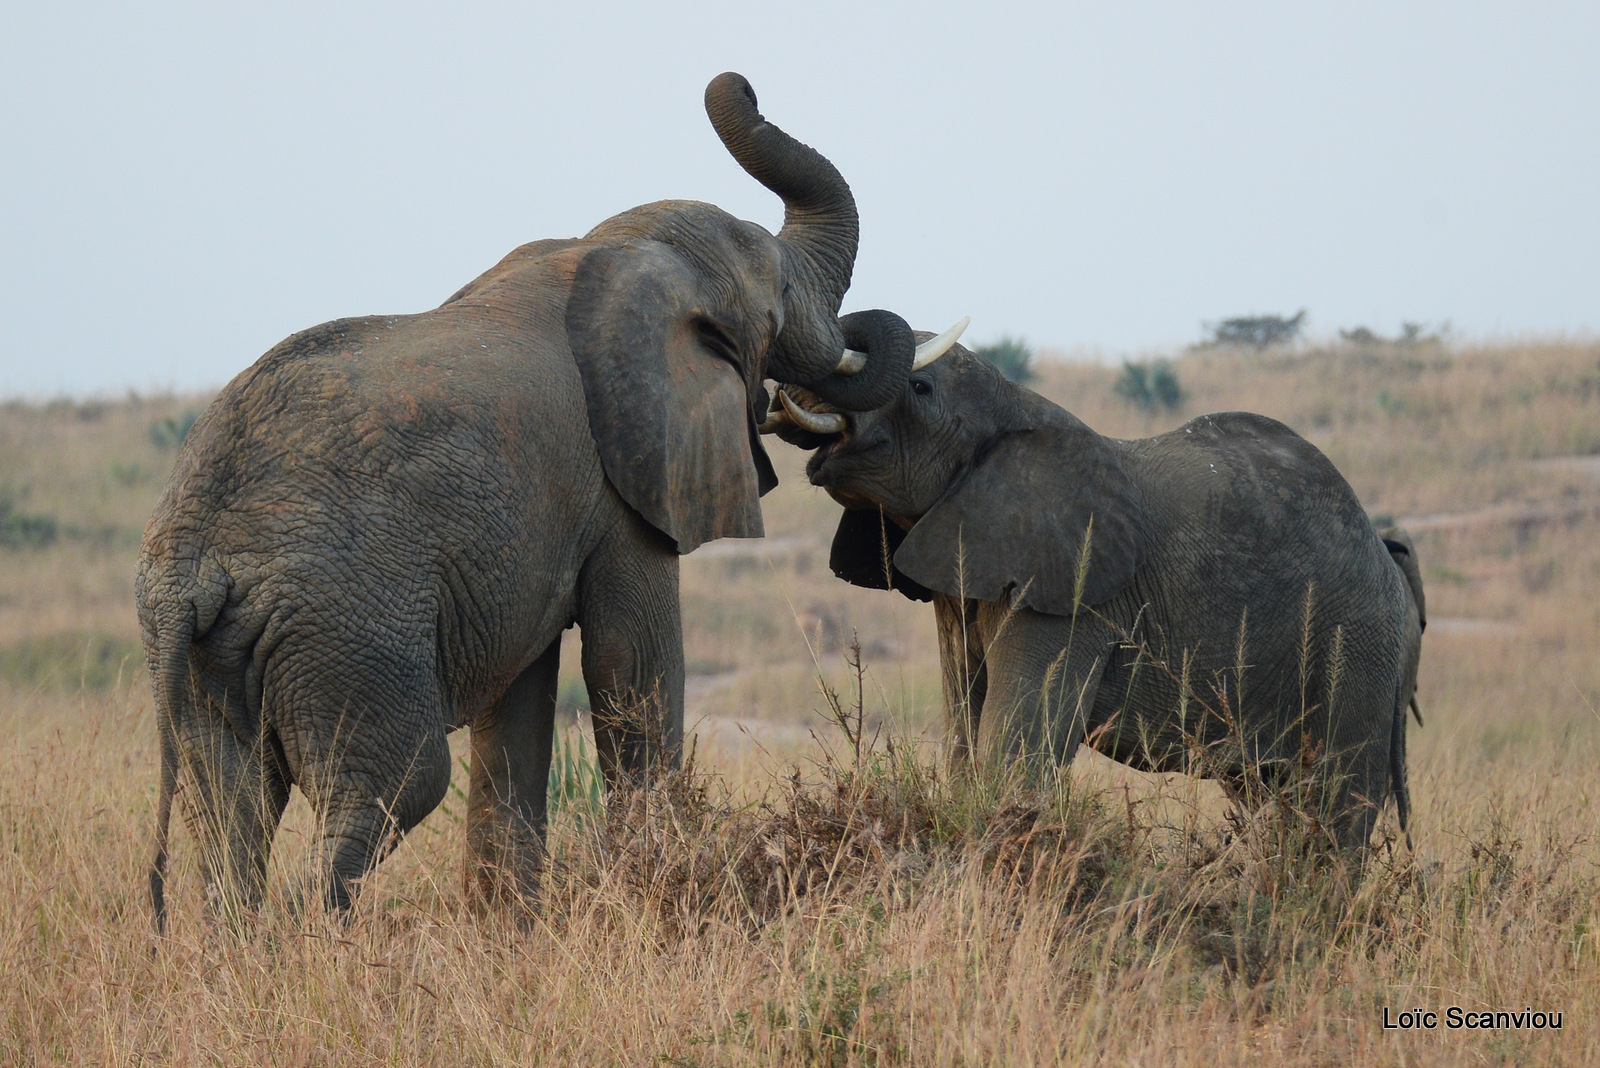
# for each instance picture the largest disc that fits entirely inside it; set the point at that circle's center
(1403, 551)
(377, 533)
(1219, 584)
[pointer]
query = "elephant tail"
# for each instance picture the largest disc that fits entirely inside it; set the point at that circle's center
(1397, 761)
(171, 664)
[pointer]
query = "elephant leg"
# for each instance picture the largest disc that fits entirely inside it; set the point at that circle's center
(1356, 773)
(510, 782)
(240, 792)
(365, 815)
(1358, 779)
(1044, 674)
(373, 762)
(633, 650)
(965, 674)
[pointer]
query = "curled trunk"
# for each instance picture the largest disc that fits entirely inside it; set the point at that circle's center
(820, 234)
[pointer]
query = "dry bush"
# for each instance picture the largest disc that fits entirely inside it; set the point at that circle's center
(864, 910)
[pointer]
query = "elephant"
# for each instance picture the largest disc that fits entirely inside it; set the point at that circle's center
(1217, 589)
(377, 533)
(1403, 551)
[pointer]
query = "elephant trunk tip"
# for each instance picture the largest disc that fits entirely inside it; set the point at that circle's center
(820, 217)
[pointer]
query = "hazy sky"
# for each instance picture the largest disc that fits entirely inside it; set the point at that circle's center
(183, 185)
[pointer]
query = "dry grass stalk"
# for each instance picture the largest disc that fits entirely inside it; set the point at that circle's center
(781, 901)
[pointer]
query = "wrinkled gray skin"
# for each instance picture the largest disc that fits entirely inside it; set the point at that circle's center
(1233, 593)
(1404, 553)
(377, 534)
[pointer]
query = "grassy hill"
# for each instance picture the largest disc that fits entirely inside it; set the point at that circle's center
(787, 902)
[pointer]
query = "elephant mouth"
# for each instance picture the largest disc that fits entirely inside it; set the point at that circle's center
(804, 420)
(819, 473)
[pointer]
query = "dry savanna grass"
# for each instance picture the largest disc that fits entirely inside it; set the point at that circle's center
(812, 888)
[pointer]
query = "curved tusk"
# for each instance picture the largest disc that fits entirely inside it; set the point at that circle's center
(776, 420)
(816, 422)
(851, 363)
(935, 347)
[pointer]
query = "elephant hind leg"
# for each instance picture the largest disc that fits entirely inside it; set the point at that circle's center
(240, 792)
(381, 784)
(1358, 781)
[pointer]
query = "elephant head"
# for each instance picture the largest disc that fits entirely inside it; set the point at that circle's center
(678, 312)
(967, 485)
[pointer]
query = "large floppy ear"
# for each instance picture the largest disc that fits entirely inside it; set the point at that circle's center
(863, 553)
(1019, 518)
(668, 405)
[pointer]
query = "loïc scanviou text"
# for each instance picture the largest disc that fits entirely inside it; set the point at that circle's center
(1457, 1018)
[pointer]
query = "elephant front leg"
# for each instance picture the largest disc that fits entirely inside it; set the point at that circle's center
(964, 674)
(509, 785)
(1044, 674)
(633, 652)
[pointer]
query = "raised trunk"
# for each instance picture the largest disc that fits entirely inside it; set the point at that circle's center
(820, 234)
(819, 214)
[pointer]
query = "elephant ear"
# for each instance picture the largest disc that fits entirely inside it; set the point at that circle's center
(863, 553)
(668, 403)
(1018, 520)
(1404, 553)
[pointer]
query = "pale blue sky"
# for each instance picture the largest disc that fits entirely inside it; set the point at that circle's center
(183, 185)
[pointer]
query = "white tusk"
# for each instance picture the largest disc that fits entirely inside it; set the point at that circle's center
(776, 420)
(851, 363)
(935, 347)
(816, 422)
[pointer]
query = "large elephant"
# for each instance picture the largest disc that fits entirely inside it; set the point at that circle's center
(1219, 585)
(377, 533)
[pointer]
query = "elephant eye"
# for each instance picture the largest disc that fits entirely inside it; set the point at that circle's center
(715, 338)
(921, 387)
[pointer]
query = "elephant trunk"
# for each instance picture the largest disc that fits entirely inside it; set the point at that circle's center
(819, 213)
(820, 235)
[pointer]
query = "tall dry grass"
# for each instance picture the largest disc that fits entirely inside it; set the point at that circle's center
(782, 902)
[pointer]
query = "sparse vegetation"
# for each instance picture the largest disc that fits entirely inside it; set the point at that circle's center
(168, 433)
(1011, 355)
(1411, 333)
(815, 887)
(70, 662)
(577, 789)
(1256, 332)
(1150, 386)
(20, 530)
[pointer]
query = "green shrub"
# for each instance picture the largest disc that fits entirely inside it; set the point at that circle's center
(576, 784)
(128, 474)
(1411, 334)
(170, 432)
(1151, 386)
(1256, 331)
(19, 530)
(64, 662)
(1011, 355)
